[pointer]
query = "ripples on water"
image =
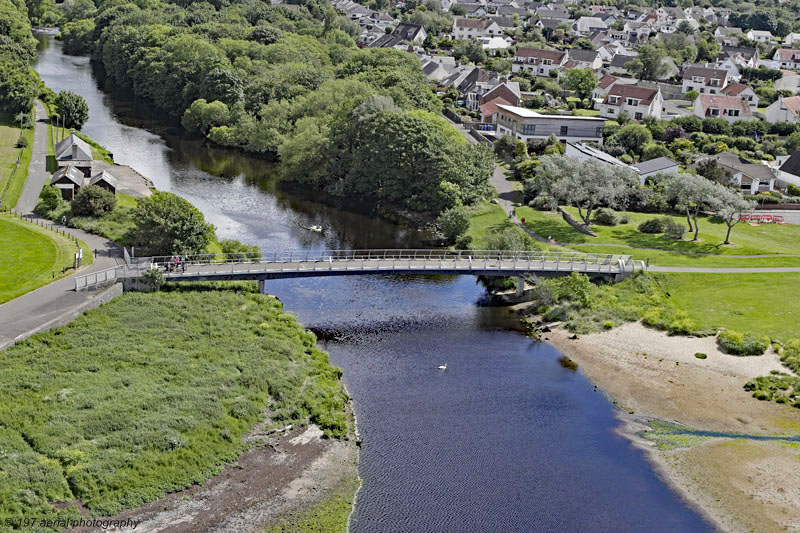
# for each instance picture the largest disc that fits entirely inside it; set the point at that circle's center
(505, 439)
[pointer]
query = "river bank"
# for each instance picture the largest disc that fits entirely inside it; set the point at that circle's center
(740, 484)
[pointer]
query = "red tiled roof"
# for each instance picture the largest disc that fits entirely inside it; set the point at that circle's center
(631, 91)
(724, 102)
(792, 103)
(787, 54)
(607, 81)
(734, 89)
(490, 107)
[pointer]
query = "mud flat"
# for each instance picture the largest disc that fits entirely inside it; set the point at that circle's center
(739, 480)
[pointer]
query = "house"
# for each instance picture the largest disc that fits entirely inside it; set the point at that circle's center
(474, 9)
(742, 91)
(651, 167)
(638, 102)
(411, 33)
(76, 153)
(69, 181)
(751, 178)
(466, 29)
(792, 38)
(759, 36)
(525, 124)
(438, 67)
(585, 58)
(704, 80)
(788, 83)
(746, 57)
(508, 91)
(789, 171)
(619, 64)
(728, 108)
(586, 25)
(784, 109)
(722, 31)
(788, 58)
(489, 110)
(605, 83)
(539, 62)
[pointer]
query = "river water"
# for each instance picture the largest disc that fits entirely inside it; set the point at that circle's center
(505, 439)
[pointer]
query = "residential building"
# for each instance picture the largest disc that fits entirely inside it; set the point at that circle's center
(651, 167)
(722, 31)
(585, 58)
(539, 62)
(704, 80)
(751, 178)
(742, 91)
(792, 38)
(759, 36)
(605, 83)
(789, 171)
(638, 102)
(746, 57)
(788, 58)
(728, 108)
(466, 29)
(412, 33)
(586, 25)
(525, 124)
(784, 109)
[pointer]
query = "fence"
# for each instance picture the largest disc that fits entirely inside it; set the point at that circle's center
(99, 279)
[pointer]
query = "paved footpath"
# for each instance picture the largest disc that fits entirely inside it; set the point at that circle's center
(37, 170)
(44, 305)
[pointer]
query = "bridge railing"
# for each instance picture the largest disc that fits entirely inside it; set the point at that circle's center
(385, 254)
(101, 278)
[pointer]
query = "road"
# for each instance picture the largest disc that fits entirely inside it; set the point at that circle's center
(37, 170)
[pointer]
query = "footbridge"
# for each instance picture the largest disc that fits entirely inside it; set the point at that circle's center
(280, 265)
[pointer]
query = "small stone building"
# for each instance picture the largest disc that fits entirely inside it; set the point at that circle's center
(74, 152)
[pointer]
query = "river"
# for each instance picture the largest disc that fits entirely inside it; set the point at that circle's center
(505, 439)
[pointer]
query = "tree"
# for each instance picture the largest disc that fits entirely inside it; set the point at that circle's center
(73, 109)
(633, 137)
(649, 64)
(585, 185)
(692, 95)
(710, 170)
(685, 27)
(454, 222)
(583, 43)
(520, 151)
(729, 206)
(691, 192)
(93, 201)
(655, 150)
(582, 81)
(166, 224)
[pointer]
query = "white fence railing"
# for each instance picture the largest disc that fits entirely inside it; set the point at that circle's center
(99, 278)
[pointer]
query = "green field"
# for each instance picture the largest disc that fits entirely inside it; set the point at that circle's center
(665, 258)
(32, 257)
(745, 239)
(152, 393)
(9, 136)
(483, 217)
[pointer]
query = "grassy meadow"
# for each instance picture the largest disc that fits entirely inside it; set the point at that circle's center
(152, 393)
(9, 137)
(32, 256)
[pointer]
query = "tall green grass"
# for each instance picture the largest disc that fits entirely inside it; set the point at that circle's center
(152, 393)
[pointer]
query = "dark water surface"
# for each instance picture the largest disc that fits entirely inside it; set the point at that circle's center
(505, 439)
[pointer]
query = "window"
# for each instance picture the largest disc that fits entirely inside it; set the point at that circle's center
(698, 79)
(637, 116)
(547, 61)
(713, 111)
(598, 132)
(564, 130)
(714, 82)
(612, 99)
(632, 101)
(732, 112)
(529, 129)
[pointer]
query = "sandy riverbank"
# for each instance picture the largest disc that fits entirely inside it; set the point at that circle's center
(741, 485)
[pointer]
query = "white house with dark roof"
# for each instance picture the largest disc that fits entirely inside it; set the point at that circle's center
(524, 124)
(759, 36)
(586, 25)
(638, 102)
(751, 178)
(466, 29)
(585, 58)
(75, 152)
(728, 108)
(784, 109)
(742, 91)
(651, 167)
(704, 80)
(537, 61)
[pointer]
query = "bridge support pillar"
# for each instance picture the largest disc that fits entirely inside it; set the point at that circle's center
(262, 286)
(520, 286)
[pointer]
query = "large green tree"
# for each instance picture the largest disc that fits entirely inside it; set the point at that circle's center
(166, 224)
(582, 81)
(72, 108)
(649, 64)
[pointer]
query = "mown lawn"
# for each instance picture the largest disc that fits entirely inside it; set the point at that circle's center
(665, 258)
(32, 256)
(484, 217)
(747, 240)
(762, 304)
(152, 393)
(9, 136)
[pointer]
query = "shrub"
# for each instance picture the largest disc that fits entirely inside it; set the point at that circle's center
(793, 190)
(22, 142)
(700, 355)
(454, 222)
(625, 158)
(542, 201)
(93, 201)
(736, 343)
(653, 225)
(624, 218)
(463, 242)
(673, 230)
(232, 246)
(606, 217)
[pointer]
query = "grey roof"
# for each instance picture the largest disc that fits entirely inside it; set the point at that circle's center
(654, 165)
(385, 41)
(578, 54)
(64, 150)
(621, 60)
(792, 165)
(407, 31)
(103, 176)
(70, 173)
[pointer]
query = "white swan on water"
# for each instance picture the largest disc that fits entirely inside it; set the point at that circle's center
(443, 367)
